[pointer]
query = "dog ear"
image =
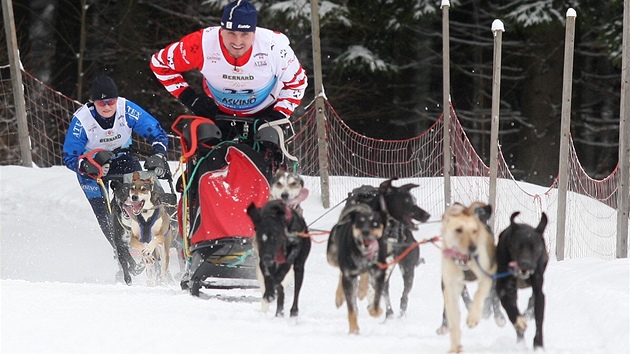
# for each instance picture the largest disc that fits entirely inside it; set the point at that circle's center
(484, 213)
(253, 213)
(454, 209)
(387, 185)
(136, 176)
(543, 223)
(408, 187)
(115, 185)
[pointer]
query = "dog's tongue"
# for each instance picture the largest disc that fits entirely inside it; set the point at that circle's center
(371, 247)
(299, 198)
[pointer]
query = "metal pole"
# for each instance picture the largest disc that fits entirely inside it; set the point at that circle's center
(497, 30)
(16, 81)
(320, 106)
(446, 102)
(565, 133)
(624, 140)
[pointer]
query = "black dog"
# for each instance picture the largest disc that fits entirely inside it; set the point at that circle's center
(280, 246)
(355, 247)
(522, 252)
(398, 209)
(492, 305)
(121, 225)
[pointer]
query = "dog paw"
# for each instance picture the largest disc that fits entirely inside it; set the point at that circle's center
(264, 306)
(269, 296)
(148, 259)
(339, 300)
(499, 320)
(442, 330)
(375, 311)
(456, 349)
(473, 319)
(148, 249)
(521, 324)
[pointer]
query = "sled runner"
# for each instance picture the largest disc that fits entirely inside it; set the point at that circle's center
(220, 179)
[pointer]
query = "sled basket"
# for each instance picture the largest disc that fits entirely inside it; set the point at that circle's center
(220, 181)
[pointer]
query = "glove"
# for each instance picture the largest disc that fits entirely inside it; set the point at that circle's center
(270, 116)
(100, 166)
(200, 104)
(158, 164)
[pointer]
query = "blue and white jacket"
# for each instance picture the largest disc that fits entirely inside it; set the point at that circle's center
(89, 131)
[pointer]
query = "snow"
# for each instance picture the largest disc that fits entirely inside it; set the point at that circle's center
(58, 295)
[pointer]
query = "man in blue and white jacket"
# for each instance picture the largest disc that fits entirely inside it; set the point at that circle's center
(107, 122)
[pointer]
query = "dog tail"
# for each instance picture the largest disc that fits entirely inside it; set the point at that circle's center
(543, 223)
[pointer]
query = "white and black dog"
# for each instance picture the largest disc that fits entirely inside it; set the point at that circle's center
(289, 188)
(281, 247)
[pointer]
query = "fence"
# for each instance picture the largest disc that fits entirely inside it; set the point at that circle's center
(355, 160)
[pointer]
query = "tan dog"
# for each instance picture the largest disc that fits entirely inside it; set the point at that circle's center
(468, 253)
(151, 231)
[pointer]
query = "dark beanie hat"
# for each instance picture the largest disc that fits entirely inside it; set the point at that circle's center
(239, 15)
(104, 88)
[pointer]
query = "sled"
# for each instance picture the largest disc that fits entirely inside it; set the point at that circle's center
(220, 179)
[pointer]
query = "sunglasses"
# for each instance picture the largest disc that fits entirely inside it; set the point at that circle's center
(107, 102)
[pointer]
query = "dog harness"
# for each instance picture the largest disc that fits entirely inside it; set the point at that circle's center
(146, 225)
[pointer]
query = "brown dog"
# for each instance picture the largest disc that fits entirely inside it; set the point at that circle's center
(151, 231)
(468, 253)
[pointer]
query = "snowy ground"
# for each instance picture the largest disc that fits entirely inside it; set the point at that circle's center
(58, 295)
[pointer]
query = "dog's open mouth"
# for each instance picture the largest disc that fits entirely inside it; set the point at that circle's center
(410, 223)
(134, 207)
(370, 247)
(518, 272)
(125, 212)
(458, 257)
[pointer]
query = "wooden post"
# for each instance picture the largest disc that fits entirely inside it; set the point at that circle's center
(16, 81)
(565, 133)
(446, 102)
(80, 76)
(322, 140)
(623, 205)
(497, 30)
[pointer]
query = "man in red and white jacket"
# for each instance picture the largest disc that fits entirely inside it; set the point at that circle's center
(248, 71)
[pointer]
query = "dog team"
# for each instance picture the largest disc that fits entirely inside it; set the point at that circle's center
(372, 235)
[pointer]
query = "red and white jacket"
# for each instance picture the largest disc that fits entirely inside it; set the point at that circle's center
(269, 74)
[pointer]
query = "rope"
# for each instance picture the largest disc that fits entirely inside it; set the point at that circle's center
(184, 227)
(316, 233)
(493, 276)
(329, 210)
(240, 259)
(406, 252)
(102, 184)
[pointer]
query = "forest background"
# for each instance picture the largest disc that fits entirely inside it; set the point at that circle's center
(382, 65)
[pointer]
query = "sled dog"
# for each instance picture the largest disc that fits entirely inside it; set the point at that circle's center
(355, 247)
(151, 232)
(521, 251)
(281, 246)
(468, 254)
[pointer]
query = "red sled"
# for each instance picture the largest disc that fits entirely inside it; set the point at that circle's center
(221, 179)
